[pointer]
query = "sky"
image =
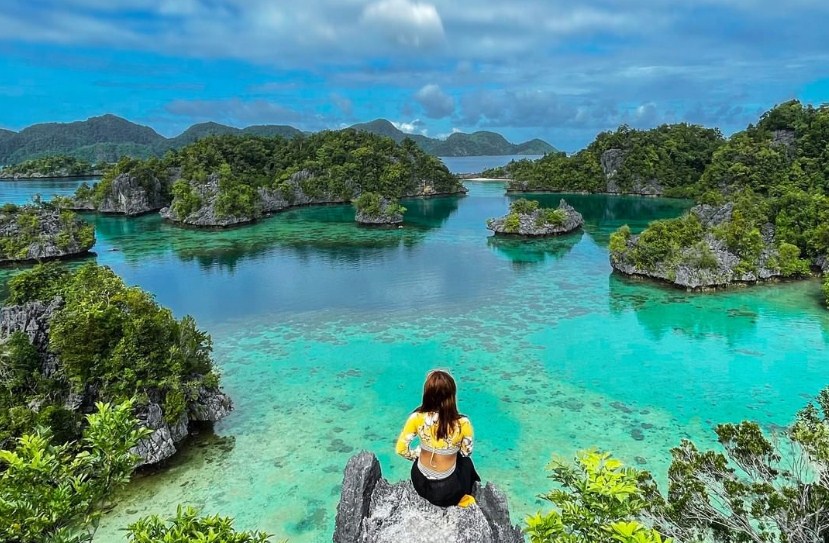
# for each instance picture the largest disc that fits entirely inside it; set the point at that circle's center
(559, 70)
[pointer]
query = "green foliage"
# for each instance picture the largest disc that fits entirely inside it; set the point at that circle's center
(512, 223)
(523, 206)
(113, 339)
(598, 500)
(674, 155)
(788, 261)
(33, 226)
(42, 282)
(758, 489)
(372, 204)
(185, 199)
(188, 527)
(49, 166)
(150, 174)
(556, 217)
(54, 493)
(662, 242)
(826, 290)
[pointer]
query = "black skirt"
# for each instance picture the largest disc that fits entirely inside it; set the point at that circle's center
(449, 491)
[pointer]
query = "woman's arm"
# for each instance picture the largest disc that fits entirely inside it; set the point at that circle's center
(406, 437)
(467, 437)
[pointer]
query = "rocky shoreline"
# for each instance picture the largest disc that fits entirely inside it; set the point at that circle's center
(49, 175)
(372, 510)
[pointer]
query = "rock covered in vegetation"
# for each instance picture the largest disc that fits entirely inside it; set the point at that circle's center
(36, 232)
(375, 210)
(667, 160)
(710, 247)
(526, 218)
(131, 187)
(371, 510)
(51, 166)
(228, 180)
(74, 339)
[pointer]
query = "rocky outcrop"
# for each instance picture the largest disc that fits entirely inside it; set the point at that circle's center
(34, 318)
(371, 510)
(389, 214)
(287, 194)
(538, 222)
(128, 194)
(706, 265)
(612, 161)
(35, 233)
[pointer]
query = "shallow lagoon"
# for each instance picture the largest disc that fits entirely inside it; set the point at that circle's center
(324, 331)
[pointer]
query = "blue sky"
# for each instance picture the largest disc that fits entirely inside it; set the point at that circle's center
(558, 70)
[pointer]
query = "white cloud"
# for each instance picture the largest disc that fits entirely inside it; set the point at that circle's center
(407, 23)
(413, 127)
(435, 103)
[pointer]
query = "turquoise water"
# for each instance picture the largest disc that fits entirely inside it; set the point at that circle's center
(477, 164)
(21, 192)
(324, 332)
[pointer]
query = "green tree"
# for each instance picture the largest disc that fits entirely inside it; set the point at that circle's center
(598, 500)
(52, 493)
(188, 527)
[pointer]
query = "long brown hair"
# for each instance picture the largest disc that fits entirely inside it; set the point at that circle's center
(439, 393)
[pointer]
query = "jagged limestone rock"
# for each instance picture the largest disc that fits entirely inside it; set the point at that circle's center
(371, 510)
(534, 225)
(36, 233)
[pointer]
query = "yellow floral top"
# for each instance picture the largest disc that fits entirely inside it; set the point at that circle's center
(424, 426)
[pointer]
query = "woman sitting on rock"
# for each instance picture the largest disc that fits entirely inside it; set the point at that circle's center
(442, 471)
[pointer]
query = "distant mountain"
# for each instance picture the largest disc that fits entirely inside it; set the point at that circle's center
(108, 137)
(460, 144)
(98, 138)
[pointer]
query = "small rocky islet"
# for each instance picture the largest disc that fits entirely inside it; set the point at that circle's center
(40, 232)
(526, 218)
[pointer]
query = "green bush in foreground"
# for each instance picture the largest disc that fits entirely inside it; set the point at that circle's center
(598, 501)
(110, 338)
(52, 493)
(188, 527)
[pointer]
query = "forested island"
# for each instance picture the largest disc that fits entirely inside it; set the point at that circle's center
(527, 218)
(52, 166)
(373, 209)
(230, 180)
(40, 231)
(107, 138)
(663, 161)
(71, 339)
(765, 212)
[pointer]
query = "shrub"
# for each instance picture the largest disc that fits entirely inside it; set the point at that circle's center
(598, 501)
(522, 206)
(512, 223)
(187, 526)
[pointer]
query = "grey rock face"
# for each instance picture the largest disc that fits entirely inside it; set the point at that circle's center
(52, 239)
(373, 511)
(784, 138)
(709, 265)
(533, 225)
(210, 406)
(128, 195)
(611, 161)
(384, 218)
(33, 320)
